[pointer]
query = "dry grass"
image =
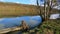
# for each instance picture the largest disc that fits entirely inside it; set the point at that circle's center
(8, 9)
(13, 9)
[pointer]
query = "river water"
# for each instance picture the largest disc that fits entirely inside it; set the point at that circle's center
(32, 21)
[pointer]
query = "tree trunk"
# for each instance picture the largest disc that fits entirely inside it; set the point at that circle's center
(45, 15)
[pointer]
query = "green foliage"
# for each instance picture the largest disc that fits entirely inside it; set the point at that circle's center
(51, 25)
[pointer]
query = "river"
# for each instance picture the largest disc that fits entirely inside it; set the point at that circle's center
(32, 21)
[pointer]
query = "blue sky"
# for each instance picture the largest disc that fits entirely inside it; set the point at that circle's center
(33, 2)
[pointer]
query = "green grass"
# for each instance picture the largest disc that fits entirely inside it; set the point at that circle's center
(50, 26)
(47, 27)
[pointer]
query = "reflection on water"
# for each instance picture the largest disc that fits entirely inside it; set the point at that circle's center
(32, 21)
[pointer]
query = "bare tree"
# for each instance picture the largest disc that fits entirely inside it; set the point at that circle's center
(47, 8)
(39, 8)
(54, 2)
(37, 3)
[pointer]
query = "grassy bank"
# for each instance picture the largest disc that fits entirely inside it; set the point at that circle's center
(47, 27)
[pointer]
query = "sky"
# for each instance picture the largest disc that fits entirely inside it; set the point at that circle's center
(32, 2)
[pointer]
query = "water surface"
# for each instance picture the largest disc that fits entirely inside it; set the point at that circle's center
(32, 21)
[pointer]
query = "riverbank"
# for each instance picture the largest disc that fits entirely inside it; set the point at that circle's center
(47, 27)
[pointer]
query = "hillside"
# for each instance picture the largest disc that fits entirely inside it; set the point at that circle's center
(14, 9)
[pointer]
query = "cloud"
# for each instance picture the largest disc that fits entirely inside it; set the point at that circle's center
(17, 2)
(33, 2)
(1, 0)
